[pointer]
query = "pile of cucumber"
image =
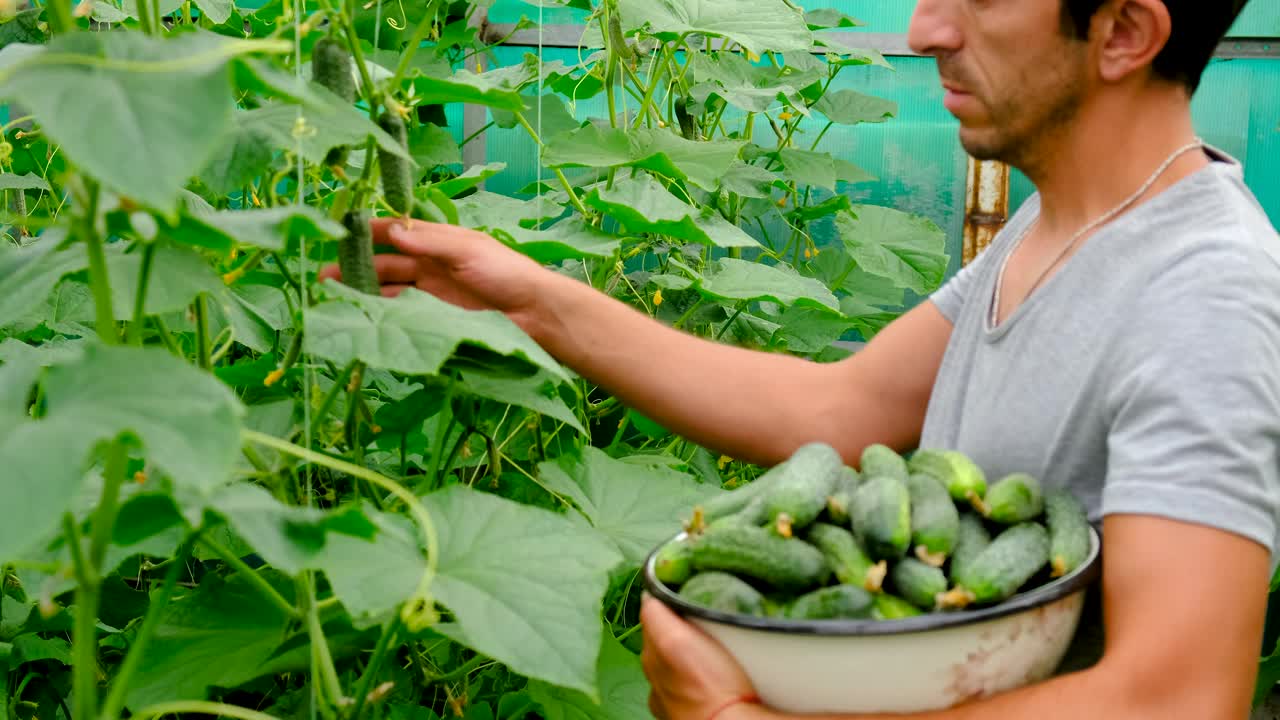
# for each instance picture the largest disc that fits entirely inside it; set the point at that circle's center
(814, 539)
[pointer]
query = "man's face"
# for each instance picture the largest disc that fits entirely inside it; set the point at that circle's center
(1013, 79)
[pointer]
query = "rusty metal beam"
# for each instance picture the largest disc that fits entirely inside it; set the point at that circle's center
(986, 205)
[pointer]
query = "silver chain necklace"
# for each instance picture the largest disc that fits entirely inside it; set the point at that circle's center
(995, 308)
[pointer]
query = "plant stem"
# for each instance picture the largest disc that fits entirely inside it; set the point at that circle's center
(162, 329)
(98, 275)
(564, 181)
(732, 319)
(60, 17)
(258, 582)
(120, 685)
(462, 670)
(104, 518)
(357, 54)
(820, 136)
(475, 134)
(419, 34)
(689, 312)
(203, 355)
(134, 334)
(200, 707)
(365, 685)
(84, 639)
(339, 384)
(323, 656)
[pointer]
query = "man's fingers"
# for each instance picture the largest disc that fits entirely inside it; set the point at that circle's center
(396, 268)
(329, 272)
(420, 238)
(393, 291)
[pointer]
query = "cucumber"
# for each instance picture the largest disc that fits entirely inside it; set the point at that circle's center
(1012, 558)
(831, 603)
(881, 517)
(331, 68)
(727, 503)
(880, 459)
(397, 175)
(935, 521)
(753, 514)
(673, 564)
(788, 564)
(1014, 499)
(972, 538)
(841, 498)
(963, 479)
(355, 253)
(1068, 524)
(918, 582)
(892, 607)
(799, 487)
(724, 592)
(848, 561)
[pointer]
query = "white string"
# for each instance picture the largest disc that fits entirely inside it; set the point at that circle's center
(537, 147)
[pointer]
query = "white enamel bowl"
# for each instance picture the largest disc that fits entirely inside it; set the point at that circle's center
(929, 662)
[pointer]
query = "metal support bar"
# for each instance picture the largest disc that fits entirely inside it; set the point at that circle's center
(888, 44)
(986, 205)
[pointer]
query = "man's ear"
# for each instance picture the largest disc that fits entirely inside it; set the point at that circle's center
(1131, 33)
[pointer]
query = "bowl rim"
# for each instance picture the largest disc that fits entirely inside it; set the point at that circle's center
(1073, 582)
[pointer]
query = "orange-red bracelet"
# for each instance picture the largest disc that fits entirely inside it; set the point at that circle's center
(753, 699)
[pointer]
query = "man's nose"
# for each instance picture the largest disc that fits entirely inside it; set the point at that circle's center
(934, 30)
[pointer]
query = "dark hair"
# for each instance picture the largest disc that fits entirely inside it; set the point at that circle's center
(1198, 27)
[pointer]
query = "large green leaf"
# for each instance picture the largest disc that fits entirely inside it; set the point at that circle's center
(624, 690)
(432, 145)
(818, 169)
(644, 205)
(809, 330)
(141, 114)
(850, 107)
(324, 122)
(188, 424)
(573, 239)
(178, 275)
(25, 27)
(749, 181)
(414, 333)
(29, 181)
(538, 392)
(504, 572)
(738, 280)
(29, 273)
(491, 210)
(662, 151)
(754, 88)
(759, 25)
(219, 635)
(266, 228)
(907, 249)
(822, 18)
(290, 538)
(635, 506)
(245, 152)
(498, 88)
(547, 115)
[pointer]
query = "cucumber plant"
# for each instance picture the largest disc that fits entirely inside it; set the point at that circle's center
(234, 489)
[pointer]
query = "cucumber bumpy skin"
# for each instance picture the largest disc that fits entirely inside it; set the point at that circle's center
(892, 607)
(788, 564)
(331, 68)
(879, 459)
(397, 176)
(1068, 524)
(963, 478)
(935, 521)
(972, 538)
(673, 564)
(841, 498)
(800, 486)
(849, 561)
(837, 602)
(918, 582)
(724, 592)
(1015, 498)
(355, 254)
(1012, 558)
(882, 517)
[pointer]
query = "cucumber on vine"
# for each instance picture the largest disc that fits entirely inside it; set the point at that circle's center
(331, 69)
(397, 174)
(355, 253)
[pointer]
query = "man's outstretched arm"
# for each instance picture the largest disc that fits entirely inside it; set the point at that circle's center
(1184, 607)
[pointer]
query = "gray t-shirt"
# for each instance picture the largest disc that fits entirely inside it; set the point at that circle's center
(1144, 375)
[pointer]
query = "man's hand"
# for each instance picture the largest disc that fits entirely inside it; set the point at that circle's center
(692, 676)
(457, 265)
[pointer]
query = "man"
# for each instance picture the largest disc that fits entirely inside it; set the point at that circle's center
(1121, 338)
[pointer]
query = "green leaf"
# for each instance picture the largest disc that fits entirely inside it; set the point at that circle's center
(538, 393)
(624, 689)
(737, 280)
(266, 228)
(754, 88)
(178, 275)
(120, 103)
(830, 206)
(722, 233)
(823, 18)
(758, 26)
(820, 169)
(326, 122)
(643, 205)
(503, 574)
(498, 88)
(219, 635)
(289, 538)
(188, 424)
(661, 151)
(219, 11)
(491, 210)
(29, 181)
(49, 353)
(636, 507)
(555, 117)
(907, 249)
(25, 27)
(474, 175)
(809, 330)
(838, 271)
(749, 181)
(572, 239)
(432, 146)
(244, 153)
(33, 648)
(414, 333)
(29, 273)
(850, 107)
